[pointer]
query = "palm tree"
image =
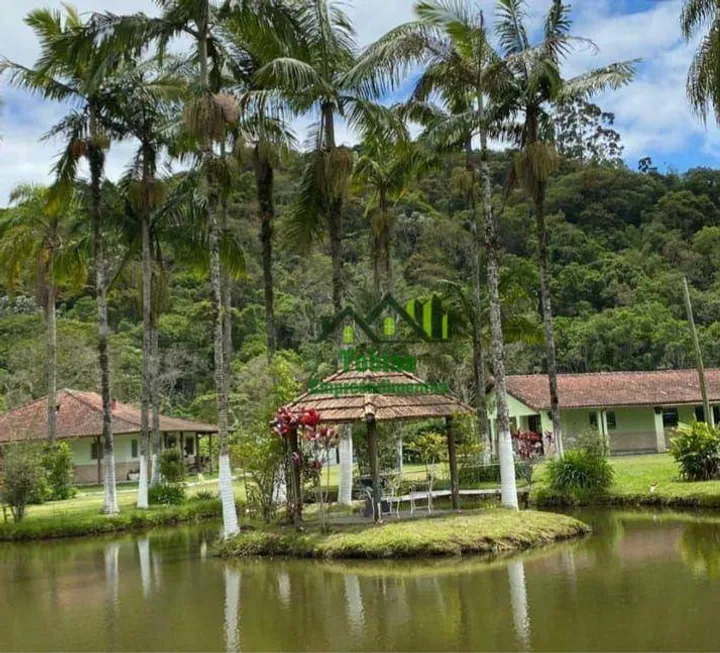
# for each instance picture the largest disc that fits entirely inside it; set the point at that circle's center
(534, 85)
(72, 67)
(383, 169)
(41, 236)
(256, 35)
(207, 116)
(460, 68)
(703, 80)
(144, 111)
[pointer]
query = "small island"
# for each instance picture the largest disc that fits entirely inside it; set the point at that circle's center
(489, 531)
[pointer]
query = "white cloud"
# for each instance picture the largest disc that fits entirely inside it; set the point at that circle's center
(652, 114)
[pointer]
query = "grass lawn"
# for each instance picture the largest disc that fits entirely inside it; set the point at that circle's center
(484, 531)
(636, 475)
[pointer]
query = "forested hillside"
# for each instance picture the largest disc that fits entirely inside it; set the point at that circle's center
(620, 242)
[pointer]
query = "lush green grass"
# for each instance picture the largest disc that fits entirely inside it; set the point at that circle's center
(487, 531)
(635, 476)
(91, 522)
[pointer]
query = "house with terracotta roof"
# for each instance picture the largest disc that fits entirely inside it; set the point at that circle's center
(635, 411)
(79, 419)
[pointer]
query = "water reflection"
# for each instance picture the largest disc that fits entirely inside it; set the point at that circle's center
(143, 545)
(232, 609)
(700, 548)
(519, 602)
(353, 603)
(283, 581)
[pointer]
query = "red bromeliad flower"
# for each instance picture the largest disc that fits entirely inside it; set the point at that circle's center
(310, 418)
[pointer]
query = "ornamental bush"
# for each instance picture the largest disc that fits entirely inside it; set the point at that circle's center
(23, 479)
(167, 494)
(582, 473)
(58, 467)
(696, 449)
(172, 466)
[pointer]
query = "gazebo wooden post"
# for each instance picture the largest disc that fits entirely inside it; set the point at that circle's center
(452, 459)
(374, 470)
(294, 464)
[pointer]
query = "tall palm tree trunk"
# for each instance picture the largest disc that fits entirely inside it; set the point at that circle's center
(508, 487)
(264, 181)
(155, 390)
(142, 497)
(96, 157)
(548, 317)
(478, 349)
(335, 231)
(227, 495)
(51, 351)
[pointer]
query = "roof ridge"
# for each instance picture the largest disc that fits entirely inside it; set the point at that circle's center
(612, 373)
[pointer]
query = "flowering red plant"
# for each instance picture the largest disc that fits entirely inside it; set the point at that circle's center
(529, 444)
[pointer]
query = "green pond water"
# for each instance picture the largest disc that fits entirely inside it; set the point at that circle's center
(643, 581)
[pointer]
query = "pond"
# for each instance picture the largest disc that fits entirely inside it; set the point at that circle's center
(643, 581)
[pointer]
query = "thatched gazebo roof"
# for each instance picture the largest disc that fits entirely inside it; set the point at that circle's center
(353, 396)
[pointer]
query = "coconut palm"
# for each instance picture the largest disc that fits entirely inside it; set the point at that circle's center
(534, 86)
(73, 68)
(42, 237)
(703, 80)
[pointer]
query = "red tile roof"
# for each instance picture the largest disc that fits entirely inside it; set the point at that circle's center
(80, 415)
(666, 387)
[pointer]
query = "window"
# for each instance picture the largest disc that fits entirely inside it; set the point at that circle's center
(716, 414)
(93, 451)
(189, 447)
(534, 423)
(593, 420)
(389, 327)
(134, 449)
(611, 420)
(670, 418)
(699, 414)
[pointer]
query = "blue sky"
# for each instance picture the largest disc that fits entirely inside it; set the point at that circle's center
(652, 115)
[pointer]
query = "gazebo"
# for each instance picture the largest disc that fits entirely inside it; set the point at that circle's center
(352, 396)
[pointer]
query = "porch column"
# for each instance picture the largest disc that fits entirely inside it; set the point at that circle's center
(210, 456)
(374, 471)
(659, 430)
(452, 459)
(98, 450)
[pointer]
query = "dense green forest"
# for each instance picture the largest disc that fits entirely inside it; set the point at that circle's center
(620, 242)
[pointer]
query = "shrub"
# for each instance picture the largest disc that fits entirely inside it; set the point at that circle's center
(172, 466)
(580, 474)
(58, 467)
(167, 494)
(205, 495)
(491, 473)
(22, 479)
(696, 448)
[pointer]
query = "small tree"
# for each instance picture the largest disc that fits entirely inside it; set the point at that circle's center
(696, 448)
(263, 459)
(172, 466)
(22, 478)
(431, 448)
(321, 441)
(58, 468)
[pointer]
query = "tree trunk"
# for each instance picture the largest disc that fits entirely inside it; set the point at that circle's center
(296, 481)
(264, 180)
(452, 464)
(142, 496)
(508, 486)
(227, 495)
(51, 351)
(478, 350)
(547, 316)
(155, 388)
(335, 226)
(345, 451)
(709, 417)
(97, 161)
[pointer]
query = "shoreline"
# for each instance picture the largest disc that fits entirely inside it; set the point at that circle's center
(91, 524)
(489, 531)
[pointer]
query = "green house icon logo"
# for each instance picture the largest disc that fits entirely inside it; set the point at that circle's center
(390, 322)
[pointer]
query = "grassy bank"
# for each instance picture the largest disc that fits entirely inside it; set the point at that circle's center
(635, 475)
(486, 531)
(76, 523)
